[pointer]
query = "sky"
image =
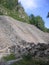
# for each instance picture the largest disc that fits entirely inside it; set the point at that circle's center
(37, 7)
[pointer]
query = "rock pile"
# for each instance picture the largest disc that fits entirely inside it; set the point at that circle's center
(37, 50)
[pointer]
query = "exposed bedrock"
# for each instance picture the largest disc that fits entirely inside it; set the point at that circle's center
(15, 33)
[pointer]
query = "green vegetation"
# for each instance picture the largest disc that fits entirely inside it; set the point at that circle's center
(14, 9)
(47, 30)
(33, 62)
(27, 57)
(9, 57)
(38, 22)
(28, 60)
(10, 4)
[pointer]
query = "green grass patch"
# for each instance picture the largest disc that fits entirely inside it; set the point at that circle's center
(32, 62)
(9, 57)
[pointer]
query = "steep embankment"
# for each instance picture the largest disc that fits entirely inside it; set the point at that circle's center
(13, 32)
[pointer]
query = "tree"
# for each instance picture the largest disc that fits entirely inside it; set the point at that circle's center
(48, 15)
(47, 30)
(40, 23)
(32, 19)
(37, 21)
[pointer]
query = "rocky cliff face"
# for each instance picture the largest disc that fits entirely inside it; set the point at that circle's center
(14, 33)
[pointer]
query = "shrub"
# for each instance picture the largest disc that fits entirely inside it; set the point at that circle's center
(9, 57)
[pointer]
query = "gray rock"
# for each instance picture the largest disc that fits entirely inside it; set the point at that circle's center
(17, 36)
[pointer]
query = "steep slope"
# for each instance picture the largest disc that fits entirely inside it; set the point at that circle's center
(14, 9)
(11, 29)
(13, 32)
